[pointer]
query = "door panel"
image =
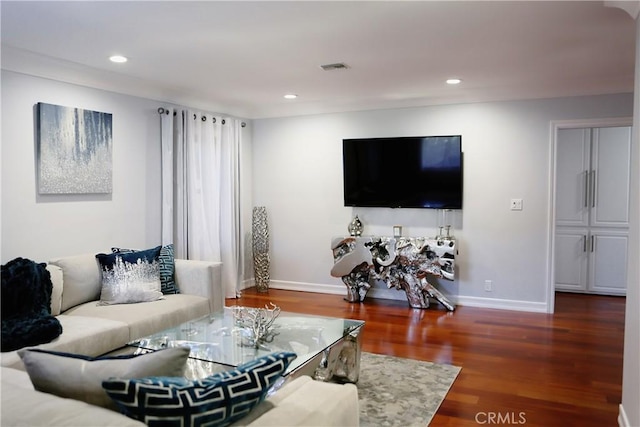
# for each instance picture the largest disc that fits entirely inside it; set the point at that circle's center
(611, 165)
(572, 160)
(608, 264)
(571, 260)
(592, 191)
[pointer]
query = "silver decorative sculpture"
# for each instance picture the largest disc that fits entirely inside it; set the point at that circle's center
(341, 362)
(261, 249)
(355, 227)
(352, 264)
(258, 322)
(402, 263)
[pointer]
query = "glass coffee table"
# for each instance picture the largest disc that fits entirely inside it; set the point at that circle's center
(327, 349)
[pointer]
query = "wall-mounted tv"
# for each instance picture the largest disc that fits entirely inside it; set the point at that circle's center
(403, 172)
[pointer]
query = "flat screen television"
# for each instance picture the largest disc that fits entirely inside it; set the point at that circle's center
(403, 172)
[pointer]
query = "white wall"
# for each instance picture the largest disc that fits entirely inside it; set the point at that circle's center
(630, 408)
(41, 227)
(297, 174)
(298, 177)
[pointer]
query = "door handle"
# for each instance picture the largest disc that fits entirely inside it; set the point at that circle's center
(586, 189)
(593, 189)
(593, 243)
(584, 243)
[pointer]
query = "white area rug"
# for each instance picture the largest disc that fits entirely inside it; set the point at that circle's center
(401, 392)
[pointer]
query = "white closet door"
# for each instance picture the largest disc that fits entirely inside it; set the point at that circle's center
(571, 259)
(572, 159)
(610, 176)
(592, 209)
(608, 263)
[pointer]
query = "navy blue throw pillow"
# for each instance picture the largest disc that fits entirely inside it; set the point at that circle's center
(130, 277)
(166, 260)
(218, 400)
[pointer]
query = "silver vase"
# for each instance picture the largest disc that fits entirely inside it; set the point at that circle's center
(261, 248)
(355, 227)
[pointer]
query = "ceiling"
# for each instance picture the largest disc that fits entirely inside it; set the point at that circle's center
(241, 57)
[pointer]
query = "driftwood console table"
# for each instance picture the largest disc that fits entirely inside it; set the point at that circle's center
(401, 262)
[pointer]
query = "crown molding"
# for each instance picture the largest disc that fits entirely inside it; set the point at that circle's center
(631, 7)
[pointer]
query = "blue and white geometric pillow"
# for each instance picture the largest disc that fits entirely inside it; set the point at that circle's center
(167, 270)
(218, 400)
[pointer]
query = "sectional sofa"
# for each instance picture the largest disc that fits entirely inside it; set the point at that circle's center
(93, 330)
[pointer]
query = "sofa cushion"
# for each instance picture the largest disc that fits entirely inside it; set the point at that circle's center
(26, 305)
(201, 278)
(307, 402)
(148, 318)
(166, 260)
(23, 406)
(56, 290)
(80, 377)
(83, 335)
(81, 279)
(217, 400)
(130, 277)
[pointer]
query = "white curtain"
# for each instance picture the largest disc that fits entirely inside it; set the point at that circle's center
(201, 186)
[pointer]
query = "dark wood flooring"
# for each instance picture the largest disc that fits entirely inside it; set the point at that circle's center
(518, 368)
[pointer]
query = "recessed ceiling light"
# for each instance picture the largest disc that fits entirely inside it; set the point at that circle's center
(118, 58)
(453, 81)
(291, 96)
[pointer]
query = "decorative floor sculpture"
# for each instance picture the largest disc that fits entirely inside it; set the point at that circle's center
(401, 262)
(261, 249)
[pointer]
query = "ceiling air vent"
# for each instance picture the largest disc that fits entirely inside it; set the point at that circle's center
(336, 66)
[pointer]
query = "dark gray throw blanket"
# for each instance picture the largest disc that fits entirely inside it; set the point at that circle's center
(26, 305)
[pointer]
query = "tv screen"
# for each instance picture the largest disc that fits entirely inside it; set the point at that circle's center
(403, 172)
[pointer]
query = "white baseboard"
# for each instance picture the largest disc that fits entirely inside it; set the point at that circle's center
(623, 421)
(339, 289)
(502, 304)
(309, 287)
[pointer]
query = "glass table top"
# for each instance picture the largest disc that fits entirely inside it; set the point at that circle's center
(218, 339)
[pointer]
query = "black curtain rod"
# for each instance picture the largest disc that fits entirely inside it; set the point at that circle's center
(162, 110)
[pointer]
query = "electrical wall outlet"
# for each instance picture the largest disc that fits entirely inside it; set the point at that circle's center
(488, 285)
(516, 204)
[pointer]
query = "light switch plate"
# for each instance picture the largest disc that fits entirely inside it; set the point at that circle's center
(516, 204)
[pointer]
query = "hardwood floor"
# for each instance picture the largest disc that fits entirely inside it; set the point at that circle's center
(518, 368)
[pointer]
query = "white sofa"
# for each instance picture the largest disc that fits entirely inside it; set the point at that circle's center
(301, 402)
(94, 330)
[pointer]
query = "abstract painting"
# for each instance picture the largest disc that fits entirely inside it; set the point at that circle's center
(74, 150)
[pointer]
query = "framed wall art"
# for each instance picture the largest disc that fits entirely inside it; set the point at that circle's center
(73, 150)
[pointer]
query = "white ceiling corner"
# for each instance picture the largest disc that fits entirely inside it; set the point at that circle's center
(241, 57)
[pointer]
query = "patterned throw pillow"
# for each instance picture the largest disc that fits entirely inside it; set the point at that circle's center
(129, 277)
(168, 283)
(218, 400)
(80, 377)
